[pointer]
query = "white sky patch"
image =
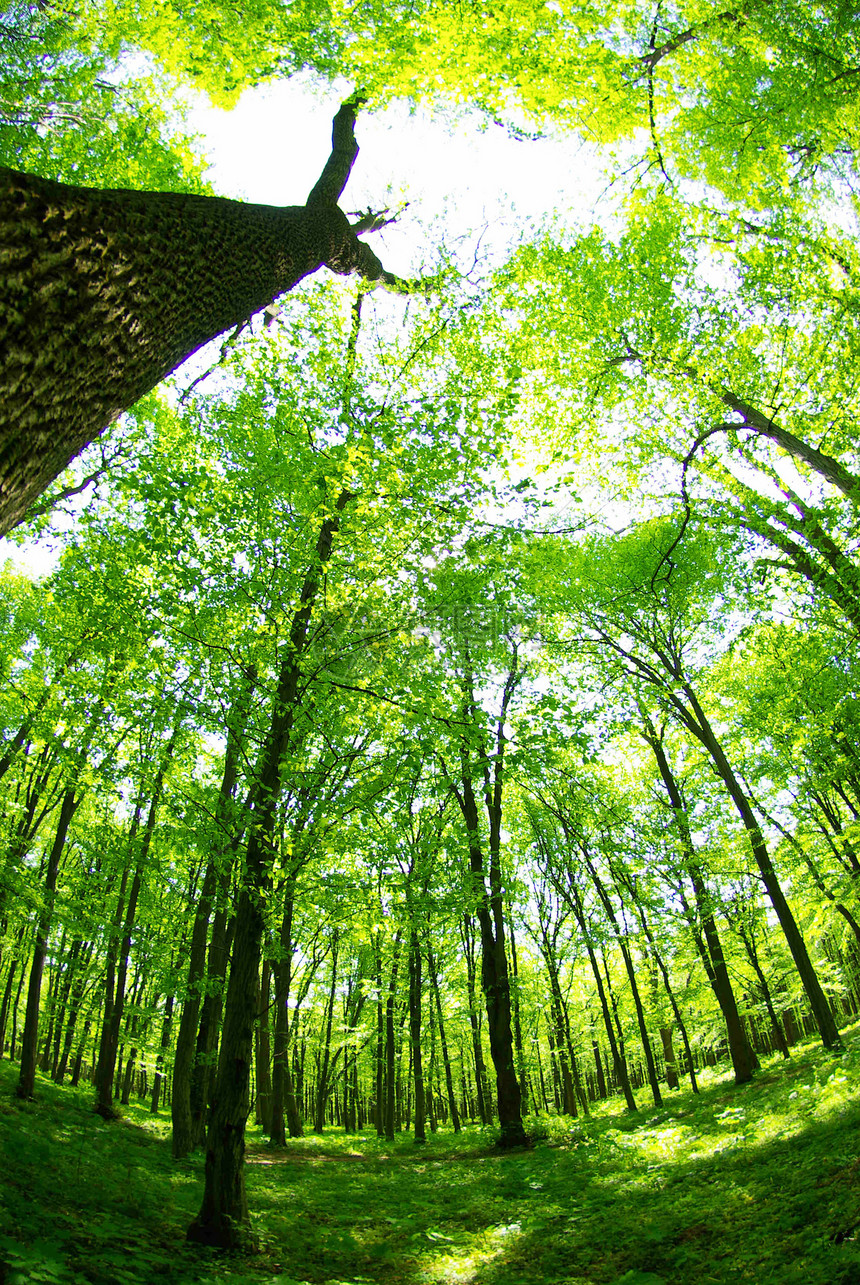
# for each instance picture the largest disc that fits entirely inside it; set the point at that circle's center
(455, 167)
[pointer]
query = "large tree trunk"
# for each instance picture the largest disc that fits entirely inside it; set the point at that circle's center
(104, 293)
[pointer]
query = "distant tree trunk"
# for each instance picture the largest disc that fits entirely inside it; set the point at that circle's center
(518, 1029)
(619, 1063)
(443, 1044)
(744, 1060)
(75, 999)
(185, 1133)
(379, 1061)
(115, 994)
(624, 947)
(598, 1070)
(737, 922)
(283, 1092)
(415, 1036)
(484, 1114)
(390, 1045)
(206, 1046)
(158, 1078)
(697, 723)
(104, 293)
(264, 1052)
(29, 1040)
(485, 761)
(325, 1059)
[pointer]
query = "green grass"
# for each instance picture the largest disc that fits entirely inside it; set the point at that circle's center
(750, 1184)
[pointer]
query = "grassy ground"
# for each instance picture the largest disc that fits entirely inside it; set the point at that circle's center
(755, 1184)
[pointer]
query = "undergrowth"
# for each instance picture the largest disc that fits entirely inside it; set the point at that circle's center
(756, 1184)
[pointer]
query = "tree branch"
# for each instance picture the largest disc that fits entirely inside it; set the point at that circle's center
(329, 186)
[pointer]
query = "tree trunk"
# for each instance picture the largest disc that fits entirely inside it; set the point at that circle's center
(744, 1060)
(264, 1052)
(29, 1040)
(390, 1046)
(443, 1044)
(325, 1060)
(104, 293)
(821, 1011)
(158, 1078)
(415, 1036)
(223, 1219)
(484, 1115)
(619, 1064)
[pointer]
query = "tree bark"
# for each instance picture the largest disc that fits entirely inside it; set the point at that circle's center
(104, 293)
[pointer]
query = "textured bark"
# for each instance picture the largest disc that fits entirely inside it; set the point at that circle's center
(104, 293)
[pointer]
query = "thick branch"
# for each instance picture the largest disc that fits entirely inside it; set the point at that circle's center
(329, 186)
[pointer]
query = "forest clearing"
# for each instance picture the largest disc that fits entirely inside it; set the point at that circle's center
(760, 1184)
(429, 611)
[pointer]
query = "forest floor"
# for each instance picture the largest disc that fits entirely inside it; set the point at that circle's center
(756, 1184)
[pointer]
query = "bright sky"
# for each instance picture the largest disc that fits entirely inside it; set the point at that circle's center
(272, 147)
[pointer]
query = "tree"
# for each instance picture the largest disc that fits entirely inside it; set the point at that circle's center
(104, 293)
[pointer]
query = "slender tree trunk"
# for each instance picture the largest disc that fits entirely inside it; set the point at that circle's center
(443, 1044)
(415, 1036)
(744, 1059)
(29, 1040)
(223, 1219)
(518, 1030)
(264, 1052)
(323, 1085)
(390, 1045)
(158, 1078)
(475, 1026)
(619, 1064)
(821, 1011)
